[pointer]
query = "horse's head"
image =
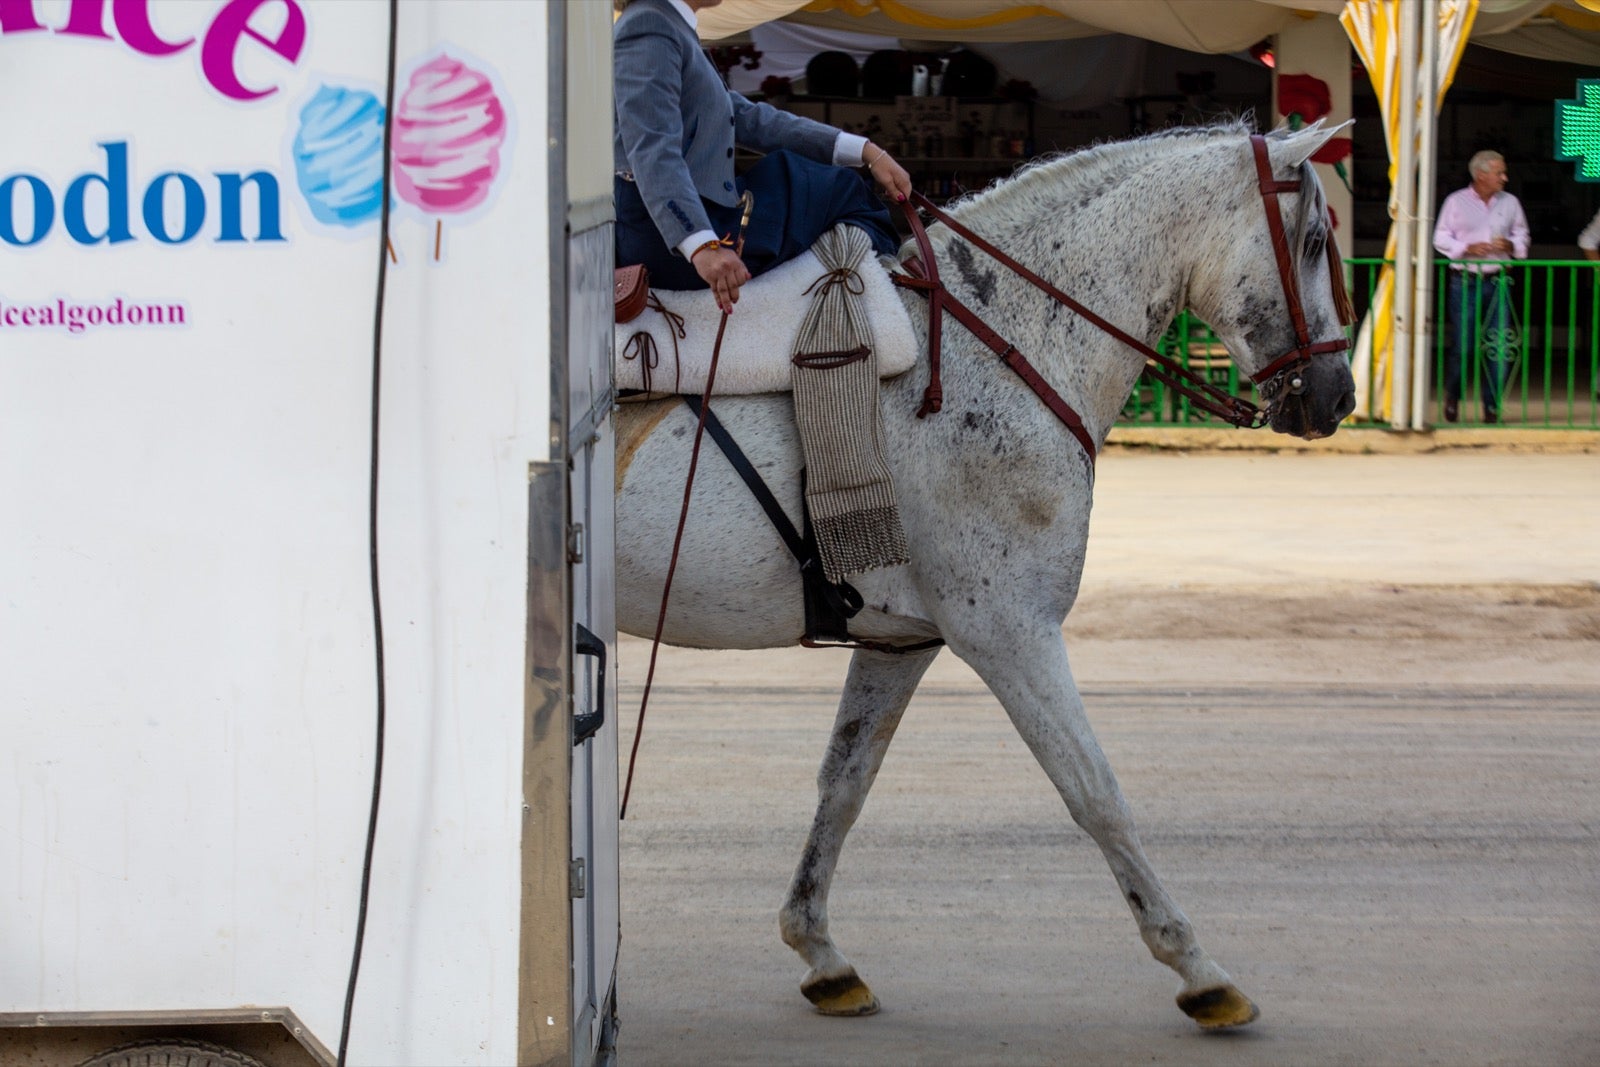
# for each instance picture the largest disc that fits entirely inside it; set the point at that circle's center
(1272, 289)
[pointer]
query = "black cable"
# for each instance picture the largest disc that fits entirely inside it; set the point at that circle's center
(372, 543)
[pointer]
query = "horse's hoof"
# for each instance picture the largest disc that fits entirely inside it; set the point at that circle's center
(844, 995)
(1219, 1008)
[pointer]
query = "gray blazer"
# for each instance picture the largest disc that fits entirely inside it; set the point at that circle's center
(676, 123)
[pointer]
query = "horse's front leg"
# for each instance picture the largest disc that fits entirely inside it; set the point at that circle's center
(876, 692)
(1033, 681)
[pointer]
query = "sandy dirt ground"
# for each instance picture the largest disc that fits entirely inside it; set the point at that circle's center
(1354, 702)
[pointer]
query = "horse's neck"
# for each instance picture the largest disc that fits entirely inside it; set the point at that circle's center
(1122, 259)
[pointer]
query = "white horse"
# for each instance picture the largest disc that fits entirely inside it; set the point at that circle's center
(994, 492)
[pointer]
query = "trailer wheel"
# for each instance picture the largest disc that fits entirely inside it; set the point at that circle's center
(171, 1053)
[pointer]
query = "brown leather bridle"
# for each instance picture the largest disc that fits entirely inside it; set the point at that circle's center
(1293, 363)
(1283, 376)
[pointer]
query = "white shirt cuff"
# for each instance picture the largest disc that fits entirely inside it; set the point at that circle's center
(848, 149)
(687, 246)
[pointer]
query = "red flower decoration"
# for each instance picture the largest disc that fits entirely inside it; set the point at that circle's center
(1303, 95)
(1336, 149)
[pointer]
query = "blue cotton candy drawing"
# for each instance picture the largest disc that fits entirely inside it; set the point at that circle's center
(338, 156)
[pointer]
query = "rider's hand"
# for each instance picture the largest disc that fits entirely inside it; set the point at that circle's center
(886, 172)
(722, 270)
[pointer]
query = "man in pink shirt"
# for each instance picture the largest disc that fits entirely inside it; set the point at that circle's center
(1485, 223)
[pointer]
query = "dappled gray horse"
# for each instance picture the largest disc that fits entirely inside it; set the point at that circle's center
(995, 492)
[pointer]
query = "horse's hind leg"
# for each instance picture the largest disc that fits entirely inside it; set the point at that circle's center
(876, 693)
(1034, 682)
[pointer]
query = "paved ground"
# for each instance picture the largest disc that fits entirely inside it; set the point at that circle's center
(1355, 703)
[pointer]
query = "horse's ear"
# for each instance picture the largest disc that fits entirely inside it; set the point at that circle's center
(1290, 149)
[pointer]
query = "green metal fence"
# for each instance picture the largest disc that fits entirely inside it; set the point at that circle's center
(1529, 335)
(1520, 345)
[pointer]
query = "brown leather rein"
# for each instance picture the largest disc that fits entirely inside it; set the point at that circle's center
(1286, 372)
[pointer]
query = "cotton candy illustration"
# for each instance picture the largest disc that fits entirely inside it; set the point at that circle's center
(448, 130)
(338, 156)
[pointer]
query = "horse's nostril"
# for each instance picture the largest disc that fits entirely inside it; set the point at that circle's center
(1347, 404)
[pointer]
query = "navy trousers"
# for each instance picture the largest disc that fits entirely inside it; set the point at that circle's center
(1477, 307)
(797, 200)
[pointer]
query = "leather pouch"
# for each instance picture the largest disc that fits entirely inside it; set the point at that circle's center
(631, 288)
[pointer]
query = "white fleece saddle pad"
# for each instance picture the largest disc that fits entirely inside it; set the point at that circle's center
(761, 332)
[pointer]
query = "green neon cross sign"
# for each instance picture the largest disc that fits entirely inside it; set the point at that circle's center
(1578, 130)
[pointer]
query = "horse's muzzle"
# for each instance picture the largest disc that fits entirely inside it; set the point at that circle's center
(1312, 401)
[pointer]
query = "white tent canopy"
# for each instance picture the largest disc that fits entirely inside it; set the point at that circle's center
(1564, 30)
(1195, 25)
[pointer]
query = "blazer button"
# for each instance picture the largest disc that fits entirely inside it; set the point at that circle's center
(730, 153)
(728, 186)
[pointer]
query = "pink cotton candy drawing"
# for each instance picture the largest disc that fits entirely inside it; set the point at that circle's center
(448, 131)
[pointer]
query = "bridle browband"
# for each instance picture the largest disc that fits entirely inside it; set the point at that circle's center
(1286, 372)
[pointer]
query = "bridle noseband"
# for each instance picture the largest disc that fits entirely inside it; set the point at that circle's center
(1283, 376)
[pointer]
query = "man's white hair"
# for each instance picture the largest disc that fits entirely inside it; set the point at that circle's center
(1480, 161)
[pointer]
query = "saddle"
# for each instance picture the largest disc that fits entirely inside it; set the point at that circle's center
(824, 327)
(664, 337)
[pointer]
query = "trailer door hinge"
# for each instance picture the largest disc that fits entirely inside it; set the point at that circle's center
(575, 543)
(575, 886)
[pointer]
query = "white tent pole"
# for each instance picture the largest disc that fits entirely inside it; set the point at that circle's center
(1427, 140)
(1405, 194)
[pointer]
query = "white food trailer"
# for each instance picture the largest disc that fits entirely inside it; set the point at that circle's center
(239, 523)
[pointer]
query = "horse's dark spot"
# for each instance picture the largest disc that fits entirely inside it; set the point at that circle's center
(971, 603)
(848, 731)
(1055, 246)
(981, 282)
(1091, 195)
(986, 582)
(1037, 512)
(1138, 902)
(1257, 320)
(982, 422)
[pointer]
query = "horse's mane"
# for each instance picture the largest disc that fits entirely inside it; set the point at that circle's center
(1097, 168)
